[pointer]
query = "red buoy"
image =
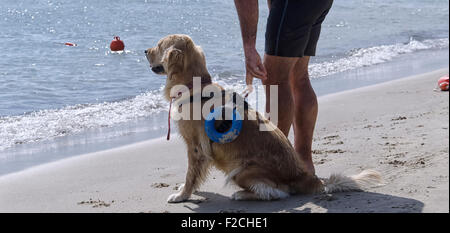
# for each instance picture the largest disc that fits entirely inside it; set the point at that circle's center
(117, 44)
(70, 44)
(444, 83)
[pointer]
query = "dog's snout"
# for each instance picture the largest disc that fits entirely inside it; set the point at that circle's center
(158, 69)
(145, 51)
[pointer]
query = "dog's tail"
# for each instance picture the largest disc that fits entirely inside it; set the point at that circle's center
(340, 183)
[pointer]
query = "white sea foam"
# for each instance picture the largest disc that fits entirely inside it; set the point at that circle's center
(48, 124)
(375, 55)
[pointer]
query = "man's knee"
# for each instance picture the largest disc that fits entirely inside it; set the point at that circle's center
(299, 76)
(278, 69)
(300, 70)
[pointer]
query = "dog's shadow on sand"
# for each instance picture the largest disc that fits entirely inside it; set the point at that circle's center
(362, 202)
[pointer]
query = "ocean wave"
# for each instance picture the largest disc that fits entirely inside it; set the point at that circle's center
(358, 58)
(48, 124)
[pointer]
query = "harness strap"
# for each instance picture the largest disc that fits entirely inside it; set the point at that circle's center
(168, 119)
(190, 86)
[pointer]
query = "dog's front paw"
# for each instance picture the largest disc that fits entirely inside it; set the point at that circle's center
(176, 197)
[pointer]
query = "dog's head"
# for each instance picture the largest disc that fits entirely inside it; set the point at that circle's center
(179, 58)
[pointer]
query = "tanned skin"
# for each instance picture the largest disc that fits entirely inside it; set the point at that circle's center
(248, 12)
(298, 101)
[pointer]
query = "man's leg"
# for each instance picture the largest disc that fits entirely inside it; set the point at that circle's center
(305, 111)
(278, 71)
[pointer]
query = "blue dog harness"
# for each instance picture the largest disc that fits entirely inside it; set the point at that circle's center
(230, 126)
(228, 131)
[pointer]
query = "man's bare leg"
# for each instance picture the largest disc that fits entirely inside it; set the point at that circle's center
(278, 71)
(305, 111)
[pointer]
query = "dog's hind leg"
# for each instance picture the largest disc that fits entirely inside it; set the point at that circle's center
(260, 191)
(198, 166)
(256, 187)
(244, 196)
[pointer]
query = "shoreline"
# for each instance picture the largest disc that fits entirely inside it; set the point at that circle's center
(398, 127)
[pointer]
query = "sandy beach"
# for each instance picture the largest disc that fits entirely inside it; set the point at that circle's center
(400, 128)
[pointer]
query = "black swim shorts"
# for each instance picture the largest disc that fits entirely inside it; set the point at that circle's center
(293, 27)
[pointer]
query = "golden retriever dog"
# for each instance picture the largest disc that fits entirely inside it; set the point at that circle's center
(263, 163)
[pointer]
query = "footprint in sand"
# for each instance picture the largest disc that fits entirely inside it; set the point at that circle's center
(319, 152)
(95, 203)
(321, 161)
(400, 118)
(331, 137)
(160, 185)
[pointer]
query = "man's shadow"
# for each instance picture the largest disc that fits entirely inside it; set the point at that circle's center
(351, 202)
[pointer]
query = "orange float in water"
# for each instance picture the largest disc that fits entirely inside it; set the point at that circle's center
(117, 44)
(444, 83)
(70, 44)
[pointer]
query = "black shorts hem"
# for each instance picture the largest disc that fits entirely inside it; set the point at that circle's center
(293, 27)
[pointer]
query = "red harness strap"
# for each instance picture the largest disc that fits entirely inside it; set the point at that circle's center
(168, 120)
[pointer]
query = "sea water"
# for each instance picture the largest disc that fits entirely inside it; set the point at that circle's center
(58, 100)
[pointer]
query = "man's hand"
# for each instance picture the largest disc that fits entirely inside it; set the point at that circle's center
(254, 66)
(248, 16)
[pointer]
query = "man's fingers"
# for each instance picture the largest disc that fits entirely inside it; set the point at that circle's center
(256, 72)
(249, 82)
(263, 70)
(254, 65)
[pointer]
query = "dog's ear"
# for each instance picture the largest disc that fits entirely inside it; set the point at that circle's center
(189, 45)
(175, 60)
